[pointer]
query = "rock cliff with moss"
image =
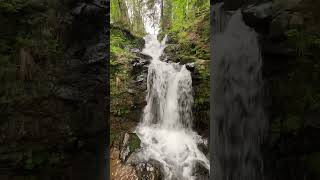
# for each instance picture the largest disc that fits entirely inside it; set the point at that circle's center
(54, 89)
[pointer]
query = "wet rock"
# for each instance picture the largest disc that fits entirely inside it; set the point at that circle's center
(233, 5)
(279, 25)
(140, 78)
(90, 8)
(143, 56)
(149, 170)
(96, 53)
(78, 9)
(125, 149)
(204, 148)
(258, 12)
(135, 50)
(201, 172)
(129, 156)
(258, 16)
(129, 145)
(67, 93)
(139, 63)
(190, 67)
(279, 5)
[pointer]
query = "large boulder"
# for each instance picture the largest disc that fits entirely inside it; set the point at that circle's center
(130, 144)
(128, 147)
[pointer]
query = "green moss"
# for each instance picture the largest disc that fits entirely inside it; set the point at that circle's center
(134, 142)
(192, 45)
(202, 89)
(194, 40)
(120, 72)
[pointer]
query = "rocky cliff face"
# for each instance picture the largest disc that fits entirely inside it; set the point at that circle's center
(63, 133)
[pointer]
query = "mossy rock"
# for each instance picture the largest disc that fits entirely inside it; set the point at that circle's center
(186, 59)
(134, 142)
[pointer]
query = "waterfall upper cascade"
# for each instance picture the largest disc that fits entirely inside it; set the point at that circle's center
(239, 120)
(166, 128)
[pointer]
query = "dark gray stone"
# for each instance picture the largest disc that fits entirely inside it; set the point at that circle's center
(279, 24)
(260, 11)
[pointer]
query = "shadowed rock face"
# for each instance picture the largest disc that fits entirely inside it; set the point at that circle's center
(69, 124)
(290, 149)
(233, 5)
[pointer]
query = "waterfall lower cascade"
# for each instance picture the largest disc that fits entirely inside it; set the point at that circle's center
(166, 128)
(239, 120)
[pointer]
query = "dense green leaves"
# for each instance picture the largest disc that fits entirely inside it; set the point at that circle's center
(180, 14)
(187, 24)
(127, 14)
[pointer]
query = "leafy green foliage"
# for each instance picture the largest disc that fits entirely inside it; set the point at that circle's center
(181, 14)
(120, 72)
(127, 14)
(188, 25)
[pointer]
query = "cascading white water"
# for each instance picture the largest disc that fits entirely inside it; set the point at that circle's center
(166, 127)
(239, 120)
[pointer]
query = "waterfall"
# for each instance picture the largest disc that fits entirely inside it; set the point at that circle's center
(166, 127)
(239, 120)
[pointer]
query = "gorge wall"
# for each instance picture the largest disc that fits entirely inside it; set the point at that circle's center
(55, 90)
(288, 36)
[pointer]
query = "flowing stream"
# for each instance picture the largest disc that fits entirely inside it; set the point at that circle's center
(239, 120)
(166, 127)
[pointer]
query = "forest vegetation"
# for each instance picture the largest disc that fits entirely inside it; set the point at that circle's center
(187, 25)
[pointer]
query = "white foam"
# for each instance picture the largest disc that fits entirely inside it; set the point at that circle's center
(166, 128)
